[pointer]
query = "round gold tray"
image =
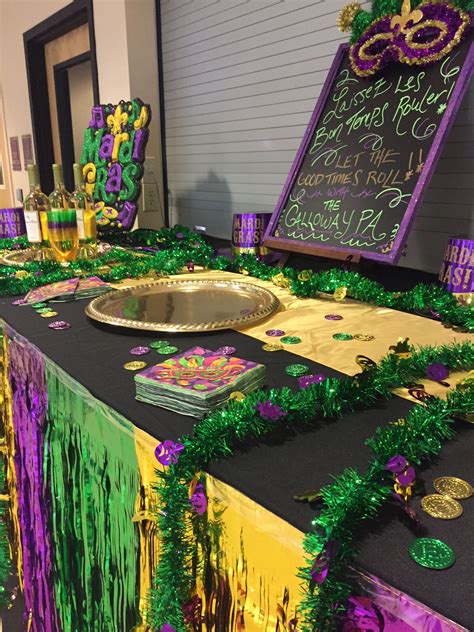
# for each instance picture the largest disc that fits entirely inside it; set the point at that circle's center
(184, 306)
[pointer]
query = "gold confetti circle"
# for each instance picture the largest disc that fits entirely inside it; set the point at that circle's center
(48, 314)
(270, 346)
(340, 293)
(443, 507)
(237, 396)
(364, 337)
(135, 365)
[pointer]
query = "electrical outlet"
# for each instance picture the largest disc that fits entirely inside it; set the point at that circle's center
(151, 197)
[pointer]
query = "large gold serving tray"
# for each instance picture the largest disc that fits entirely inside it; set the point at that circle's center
(28, 255)
(184, 306)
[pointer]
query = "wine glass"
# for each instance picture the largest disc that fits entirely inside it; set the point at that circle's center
(62, 233)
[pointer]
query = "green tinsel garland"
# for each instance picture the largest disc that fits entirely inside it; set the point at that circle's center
(14, 243)
(180, 246)
(220, 433)
(353, 498)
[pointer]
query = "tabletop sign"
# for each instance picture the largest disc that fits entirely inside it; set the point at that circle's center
(367, 157)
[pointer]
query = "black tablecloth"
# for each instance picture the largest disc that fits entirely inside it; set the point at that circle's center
(277, 468)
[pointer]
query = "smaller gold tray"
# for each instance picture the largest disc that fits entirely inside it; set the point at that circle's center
(20, 257)
(184, 306)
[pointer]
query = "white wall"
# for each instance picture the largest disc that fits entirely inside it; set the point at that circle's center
(241, 79)
(80, 90)
(16, 17)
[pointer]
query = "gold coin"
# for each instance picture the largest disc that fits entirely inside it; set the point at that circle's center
(439, 506)
(364, 337)
(453, 487)
(272, 347)
(340, 293)
(48, 314)
(135, 365)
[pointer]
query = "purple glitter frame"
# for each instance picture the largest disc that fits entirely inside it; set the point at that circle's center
(393, 256)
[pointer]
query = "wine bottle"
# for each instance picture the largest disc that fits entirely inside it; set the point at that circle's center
(86, 223)
(59, 198)
(36, 207)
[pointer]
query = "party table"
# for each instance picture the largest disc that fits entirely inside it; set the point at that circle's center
(81, 459)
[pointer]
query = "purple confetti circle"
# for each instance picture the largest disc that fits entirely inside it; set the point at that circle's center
(276, 333)
(19, 301)
(308, 380)
(138, 351)
(333, 317)
(59, 324)
(226, 350)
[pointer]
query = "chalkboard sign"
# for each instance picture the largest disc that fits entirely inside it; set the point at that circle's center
(367, 156)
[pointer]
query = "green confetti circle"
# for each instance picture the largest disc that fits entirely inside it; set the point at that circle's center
(297, 370)
(342, 337)
(157, 344)
(38, 305)
(167, 350)
(290, 340)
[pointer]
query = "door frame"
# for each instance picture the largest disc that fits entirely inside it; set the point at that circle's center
(76, 14)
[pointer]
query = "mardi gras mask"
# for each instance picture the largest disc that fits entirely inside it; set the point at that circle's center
(415, 37)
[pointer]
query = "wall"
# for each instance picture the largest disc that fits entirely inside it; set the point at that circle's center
(16, 17)
(80, 90)
(240, 83)
(6, 192)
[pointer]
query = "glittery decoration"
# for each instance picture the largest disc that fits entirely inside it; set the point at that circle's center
(272, 347)
(29, 404)
(342, 336)
(276, 333)
(167, 453)
(19, 301)
(48, 314)
(43, 310)
(396, 464)
(296, 370)
(305, 275)
(92, 479)
(320, 568)
(347, 15)
(308, 380)
(437, 372)
(157, 344)
(291, 340)
(364, 337)
(138, 351)
(198, 500)
(431, 553)
(270, 411)
(38, 305)
(333, 317)
(365, 363)
(226, 350)
(167, 350)
(59, 324)
(438, 30)
(135, 365)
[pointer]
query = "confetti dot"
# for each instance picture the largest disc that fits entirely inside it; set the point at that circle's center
(297, 370)
(59, 324)
(342, 337)
(291, 340)
(138, 351)
(275, 333)
(226, 350)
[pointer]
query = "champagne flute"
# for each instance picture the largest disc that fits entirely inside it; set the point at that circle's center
(63, 237)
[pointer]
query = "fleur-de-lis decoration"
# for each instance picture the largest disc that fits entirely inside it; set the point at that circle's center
(407, 16)
(116, 120)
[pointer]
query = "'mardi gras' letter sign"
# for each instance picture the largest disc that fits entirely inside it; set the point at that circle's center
(113, 156)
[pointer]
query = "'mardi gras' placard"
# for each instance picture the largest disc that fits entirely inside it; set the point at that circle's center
(113, 155)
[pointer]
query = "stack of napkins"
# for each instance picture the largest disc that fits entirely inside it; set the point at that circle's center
(197, 381)
(70, 289)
